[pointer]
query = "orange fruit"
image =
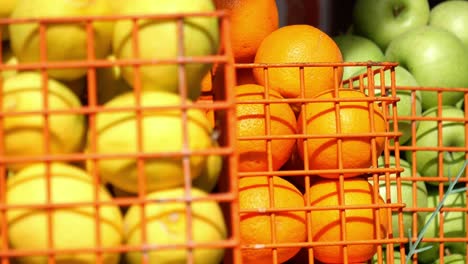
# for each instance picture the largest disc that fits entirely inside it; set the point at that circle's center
(354, 117)
(251, 121)
(360, 224)
(298, 43)
(255, 227)
(251, 22)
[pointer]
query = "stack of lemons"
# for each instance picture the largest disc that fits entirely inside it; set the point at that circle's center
(166, 131)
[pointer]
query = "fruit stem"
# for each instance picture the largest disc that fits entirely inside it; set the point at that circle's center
(397, 9)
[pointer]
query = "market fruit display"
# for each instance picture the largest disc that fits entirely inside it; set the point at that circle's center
(314, 164)
(251, 21)
(73, 227)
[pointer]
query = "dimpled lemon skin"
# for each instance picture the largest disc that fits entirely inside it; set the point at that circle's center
(166, 225)
(162, 132)
(72, 227)
(23, 134)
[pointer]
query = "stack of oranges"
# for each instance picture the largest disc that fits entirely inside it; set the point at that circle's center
(304, 144)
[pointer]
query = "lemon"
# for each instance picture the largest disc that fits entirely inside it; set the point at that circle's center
(210, 173)
(23, 134)
(110, 83)
(65, 42)
(73, 227)
(162, 132)
(158, 40)
(166, 224)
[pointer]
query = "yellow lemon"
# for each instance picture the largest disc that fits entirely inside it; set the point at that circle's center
(73, 227)
(23, 134)
(158, 40)
(210, 174)
(65, 42)
(162, 132)
(166, 224)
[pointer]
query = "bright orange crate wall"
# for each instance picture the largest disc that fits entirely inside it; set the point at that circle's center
(223, 114)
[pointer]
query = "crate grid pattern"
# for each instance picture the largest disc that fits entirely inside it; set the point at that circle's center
(223, 108)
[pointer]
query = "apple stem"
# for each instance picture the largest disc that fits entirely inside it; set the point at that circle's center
(397, 9)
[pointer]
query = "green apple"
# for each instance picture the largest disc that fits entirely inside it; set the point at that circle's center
(65, 42)
(385, 257)
(453, 16)
(436, 58)
(453, 259)
(453, 135)
(407, 191)
(383, 20)
(357, 49)
(158, 41)
(404, 107)
(454, 226)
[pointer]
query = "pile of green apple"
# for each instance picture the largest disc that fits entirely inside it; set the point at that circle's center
(429, 41)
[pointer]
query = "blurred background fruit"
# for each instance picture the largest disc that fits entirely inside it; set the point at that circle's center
(251, 22)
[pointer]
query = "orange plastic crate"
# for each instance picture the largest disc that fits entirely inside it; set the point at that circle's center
(303, 177)
(223, 107)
